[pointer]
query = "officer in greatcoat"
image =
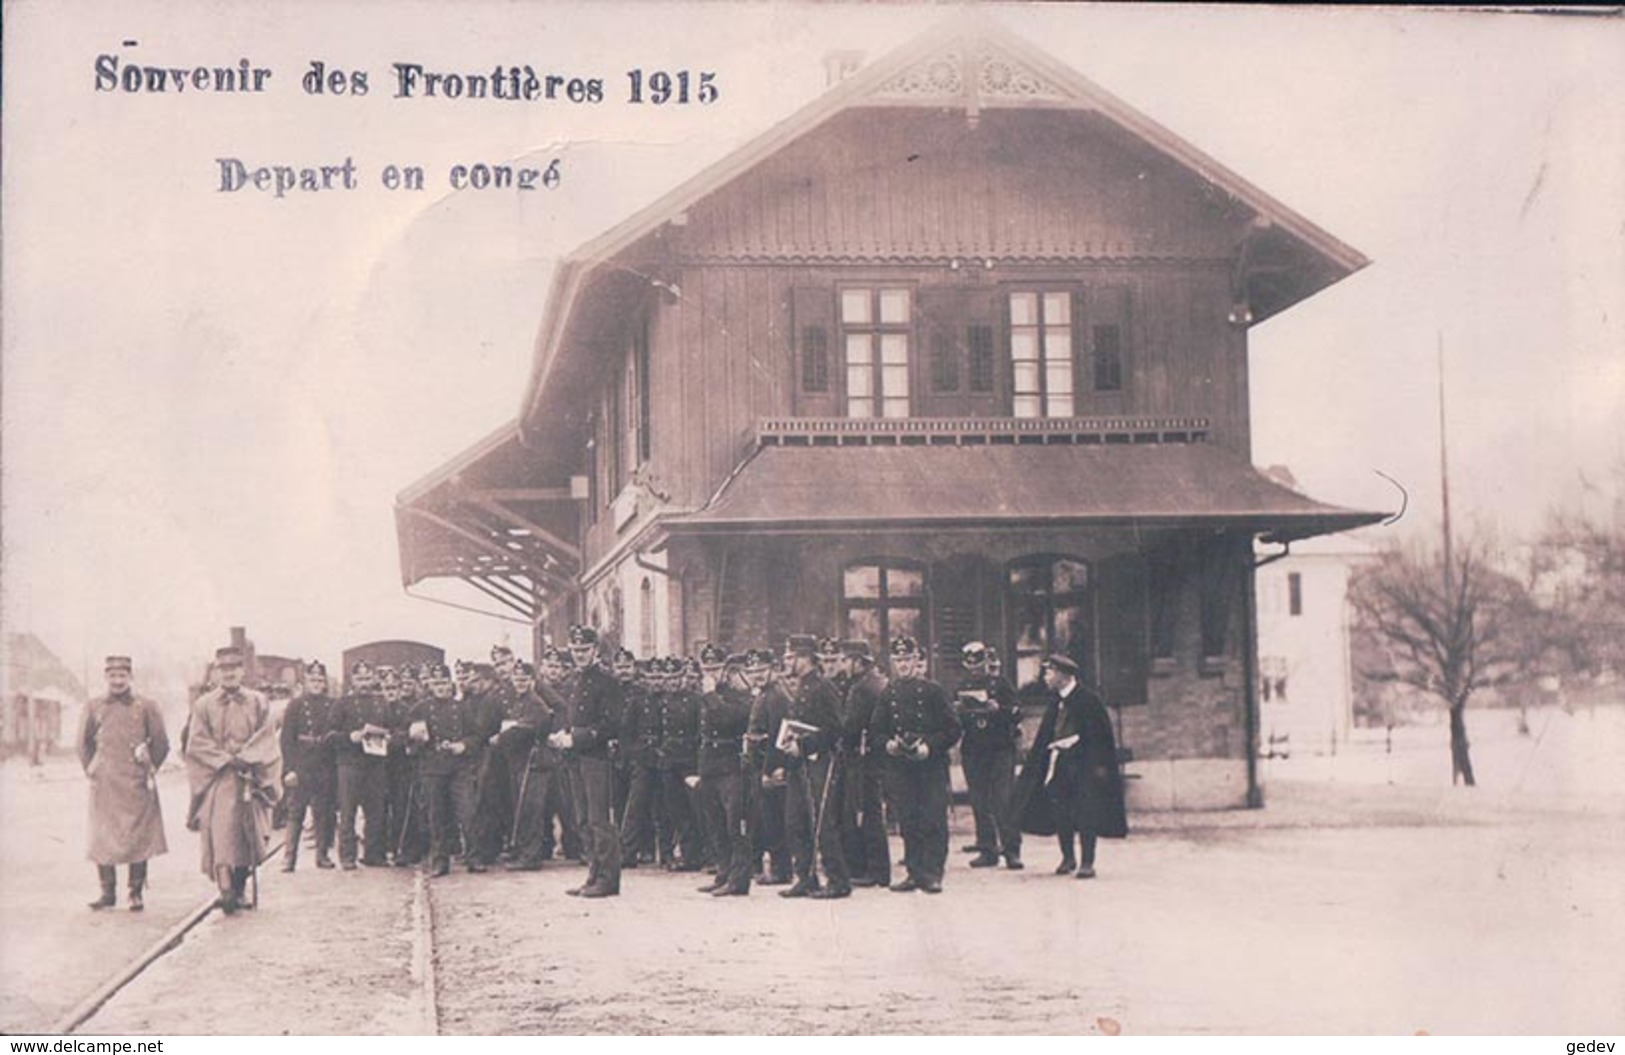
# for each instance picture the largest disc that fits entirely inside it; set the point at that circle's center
(234, 766)
(914, 724)
(991, 718)
(308, 778)
(1071, 786)
(122, 742)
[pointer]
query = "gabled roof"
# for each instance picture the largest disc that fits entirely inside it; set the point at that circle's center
(970, 63)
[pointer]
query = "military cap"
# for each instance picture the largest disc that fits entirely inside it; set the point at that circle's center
(552, 653)
(230, 656)
(499, 651)
(523, 669)
(388, 674)
(315, 669)
(974, 654)
(858, 650)
(801, 645)
(360, 667)
(432, 671)
(688, 664)
(1062, 662)
(119, 663)
(409, 672)
(905, 646)
(462, 666)
(671, 665)
(759, 657)
(482, 670)
(713, 655)
(829, 648)
(624, 655)
(583, 635)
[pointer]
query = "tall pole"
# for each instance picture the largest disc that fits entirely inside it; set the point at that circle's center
(1444, 479)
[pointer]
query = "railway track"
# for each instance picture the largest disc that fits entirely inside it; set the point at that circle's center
(423, 1012)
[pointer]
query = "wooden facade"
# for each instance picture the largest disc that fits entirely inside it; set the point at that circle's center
(843, 382)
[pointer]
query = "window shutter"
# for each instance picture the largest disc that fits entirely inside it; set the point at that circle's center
(812, 344)
(1121, 626)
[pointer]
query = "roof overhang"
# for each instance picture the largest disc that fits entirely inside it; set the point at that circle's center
(494, 518)
(1149, 486)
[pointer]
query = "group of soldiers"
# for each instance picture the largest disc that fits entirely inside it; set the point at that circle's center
(758, 767)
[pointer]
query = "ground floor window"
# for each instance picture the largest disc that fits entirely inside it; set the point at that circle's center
(1051, 611)
(882, 600)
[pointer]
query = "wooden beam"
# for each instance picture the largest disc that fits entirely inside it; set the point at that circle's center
(547, 537)
(483, 543)
(522, 494)
(527, 611)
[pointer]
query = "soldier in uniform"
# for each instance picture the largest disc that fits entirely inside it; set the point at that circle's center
(765, 766)
(863, 821)
(122, 742)
(308, 777)
(719, 779)
(407, 831)
(558, 805)
(234, 766)
(522, 740)
(592, 705)
(812, 774)
(493, 810)
(364, 722)
(676, 760)
(915, 725)
(445, 735)
(991, 718)
(639, 743)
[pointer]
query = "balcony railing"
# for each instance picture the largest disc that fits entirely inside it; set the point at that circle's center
(961, 432)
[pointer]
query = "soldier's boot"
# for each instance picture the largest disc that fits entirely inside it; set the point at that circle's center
(290, 848)
(228, 890)
(138, 883)
(108, 875)
(985, 860)
(239, 886)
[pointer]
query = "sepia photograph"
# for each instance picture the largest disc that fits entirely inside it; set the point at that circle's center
(667, 517)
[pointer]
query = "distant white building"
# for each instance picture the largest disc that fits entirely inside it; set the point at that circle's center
(1305, 673)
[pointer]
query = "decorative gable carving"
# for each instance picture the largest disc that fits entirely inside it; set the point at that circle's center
(970, 73)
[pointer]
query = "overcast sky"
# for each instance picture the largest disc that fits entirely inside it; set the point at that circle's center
(211, 399)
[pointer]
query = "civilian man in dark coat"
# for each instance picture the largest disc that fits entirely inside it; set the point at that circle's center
(992, 721)
(122, 742)
(308, 777)
(915, 725)
(1070, 785)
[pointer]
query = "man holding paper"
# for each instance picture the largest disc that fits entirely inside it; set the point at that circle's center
(122, 742)
(1070, 785)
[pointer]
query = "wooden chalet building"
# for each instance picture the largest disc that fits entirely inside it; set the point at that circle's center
(959, 351)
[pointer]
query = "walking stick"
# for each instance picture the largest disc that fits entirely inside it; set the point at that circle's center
(823, 805)
(406, 818)
(519, 807)
(253, 833)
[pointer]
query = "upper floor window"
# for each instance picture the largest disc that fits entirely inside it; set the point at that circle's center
(1294, 593)
(1041, 354)
(875, 326)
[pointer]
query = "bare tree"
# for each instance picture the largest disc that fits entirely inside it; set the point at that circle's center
(1449, 629)
(1579, 579)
